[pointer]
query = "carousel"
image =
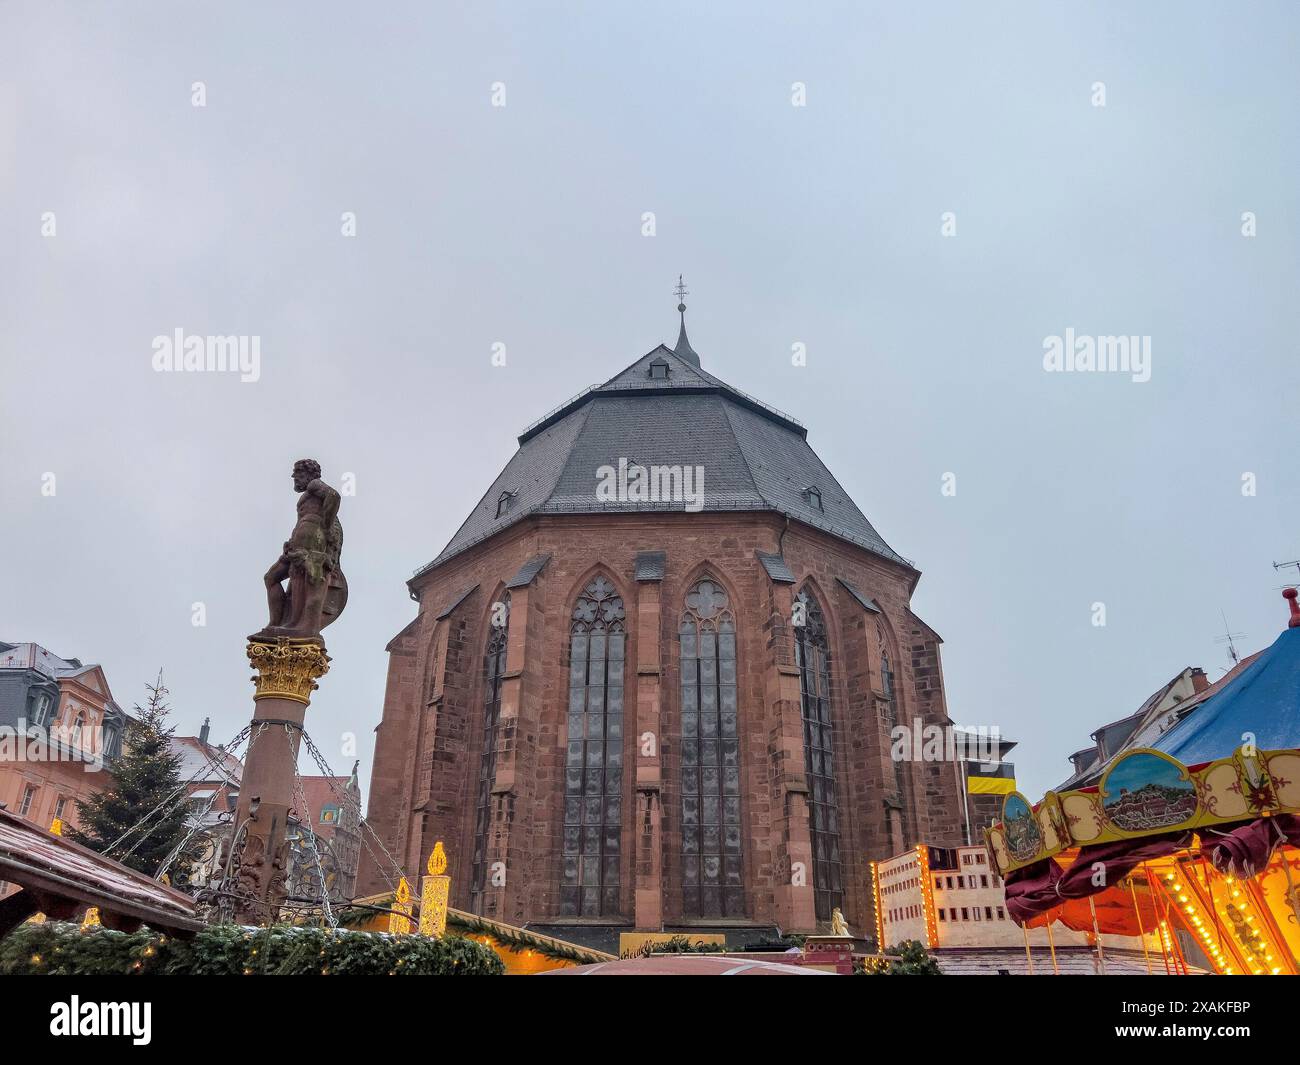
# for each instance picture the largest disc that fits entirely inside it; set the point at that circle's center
(1196, 833)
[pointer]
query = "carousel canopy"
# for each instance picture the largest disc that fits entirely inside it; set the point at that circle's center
(1263, 701)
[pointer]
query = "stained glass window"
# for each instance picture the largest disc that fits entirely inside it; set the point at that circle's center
(812, 652)
(494, 667)
(712, 870)
(593, 768)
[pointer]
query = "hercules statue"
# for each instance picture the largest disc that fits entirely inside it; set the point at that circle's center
(317, 590)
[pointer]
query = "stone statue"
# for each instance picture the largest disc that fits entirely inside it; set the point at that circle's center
(839, 926)
(317, 591)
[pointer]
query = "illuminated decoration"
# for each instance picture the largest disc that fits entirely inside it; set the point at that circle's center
(91, 919)
(435, 891)
(879, 906)
(1232, 924)
(399, 923)
(56, 826)
(927, 896)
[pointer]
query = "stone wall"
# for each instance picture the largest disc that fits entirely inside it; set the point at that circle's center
(428, 749)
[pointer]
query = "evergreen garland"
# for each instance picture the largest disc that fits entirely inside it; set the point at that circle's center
(467, 925)
(142, 778)
(520, 940)
(61, 949)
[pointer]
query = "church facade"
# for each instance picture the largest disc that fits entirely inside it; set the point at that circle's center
(652, 678)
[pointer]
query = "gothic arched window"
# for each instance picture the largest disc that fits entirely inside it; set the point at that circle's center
(494, 667)
(712, 874)
(593, 768)
(812, 653)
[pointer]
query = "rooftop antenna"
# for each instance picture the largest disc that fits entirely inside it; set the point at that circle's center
(1284, 565)
(1228, 637)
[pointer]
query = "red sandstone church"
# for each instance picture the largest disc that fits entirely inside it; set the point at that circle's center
(652, 679)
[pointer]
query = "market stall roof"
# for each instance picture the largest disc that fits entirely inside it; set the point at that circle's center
(1263, 701)
(60, 878)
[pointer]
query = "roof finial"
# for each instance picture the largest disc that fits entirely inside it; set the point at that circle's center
(683, 350)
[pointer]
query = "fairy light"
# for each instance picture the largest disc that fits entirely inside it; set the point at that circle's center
(927, 897)
(879, 907)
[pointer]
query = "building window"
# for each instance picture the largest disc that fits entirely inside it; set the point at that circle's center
(812, 654)
(712, 869)
(40, 706)
(593, 769)
(504, 502)
(59, 806)
(112, 742)
(659, 369)
(29, 798)
(494, 667)
(814, 497)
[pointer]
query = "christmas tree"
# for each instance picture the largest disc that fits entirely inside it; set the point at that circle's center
(145, 787)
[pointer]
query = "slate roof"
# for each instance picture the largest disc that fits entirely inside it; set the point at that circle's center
(865, 602)
(753, 456)
(776, 568)
(650, 565)
(528, 571)
(34, 656)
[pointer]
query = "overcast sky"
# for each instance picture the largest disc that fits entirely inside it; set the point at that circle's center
(523, 225)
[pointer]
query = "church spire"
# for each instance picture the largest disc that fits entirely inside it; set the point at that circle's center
(683, 350)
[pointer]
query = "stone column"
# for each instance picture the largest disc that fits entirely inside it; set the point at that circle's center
(286, 671)
(648, 839)
(794, 898)
(507, 846)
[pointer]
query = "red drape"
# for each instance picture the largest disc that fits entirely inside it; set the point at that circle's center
(1246, 850)
(1045, 885)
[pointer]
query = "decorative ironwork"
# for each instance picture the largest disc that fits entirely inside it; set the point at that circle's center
(494, 668)
(593, 776)
(712, 863)
(812, 654)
